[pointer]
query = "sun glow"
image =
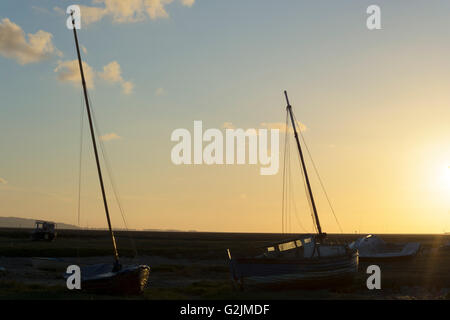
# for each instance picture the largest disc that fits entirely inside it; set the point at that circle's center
(441, 181)
(445, 178)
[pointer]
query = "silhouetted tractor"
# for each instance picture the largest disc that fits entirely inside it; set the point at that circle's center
(44, 230)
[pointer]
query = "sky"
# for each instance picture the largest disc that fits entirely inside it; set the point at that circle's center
(375, 104)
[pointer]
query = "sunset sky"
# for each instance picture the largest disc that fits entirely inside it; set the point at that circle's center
(376, 106)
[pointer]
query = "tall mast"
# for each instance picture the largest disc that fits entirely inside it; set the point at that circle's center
(99, 170)
(308, 185)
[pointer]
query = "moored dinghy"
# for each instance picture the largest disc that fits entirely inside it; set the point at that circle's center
(372, 247)
(305, 261)
(108, 278)
(101, 278)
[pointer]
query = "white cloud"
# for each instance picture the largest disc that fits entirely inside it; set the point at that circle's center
(160, 92)
(68, 71)
(15, 45)
(127, 87)
(126, 11)
(156, 8)
(112, 73)
(91, 14)
(188, 3)
(110, 136)
(3, 181)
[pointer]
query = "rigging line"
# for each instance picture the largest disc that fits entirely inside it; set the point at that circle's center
(320, 180)
(292, 198)
(287, 167)
(306, 190)
(113, 184)
(112, 180)
(288, 187)
(291, 190)
(311, 211)
(295, 208)
(79, 172)
(283, 209)
(80, 159)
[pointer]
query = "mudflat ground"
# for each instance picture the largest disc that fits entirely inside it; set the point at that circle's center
(194, 265)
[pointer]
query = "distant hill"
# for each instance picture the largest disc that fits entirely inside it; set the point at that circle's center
(13, 222)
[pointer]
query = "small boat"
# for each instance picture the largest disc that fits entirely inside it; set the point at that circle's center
(372, 247)
(309, 260)
(107, 278)
(101, 279)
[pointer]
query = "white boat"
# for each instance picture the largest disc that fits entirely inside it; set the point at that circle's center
(372, 247)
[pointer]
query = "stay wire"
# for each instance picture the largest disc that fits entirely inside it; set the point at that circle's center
(319, 178)
(80, 164)
(283, 208)
(111, 179)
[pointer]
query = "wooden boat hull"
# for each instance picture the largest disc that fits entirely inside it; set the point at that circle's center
(294, 272)
(129, 280)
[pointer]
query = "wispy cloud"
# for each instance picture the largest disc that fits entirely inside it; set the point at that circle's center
(3, 181)
(126, 11)
(40, 10)
(31, 48)
(68, 71)
(110, 136)
(228, 125)
(59, 10)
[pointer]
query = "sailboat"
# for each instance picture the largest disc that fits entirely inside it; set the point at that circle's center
(309, 260)
(108, 278)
